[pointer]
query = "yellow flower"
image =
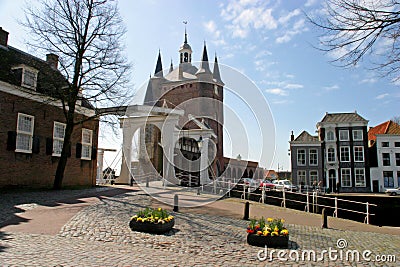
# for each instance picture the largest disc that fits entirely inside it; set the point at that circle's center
(284, 232)
(170, 217)
(159, 209)
(282, 220)
(270, 219)
(265, 233)
(259, 232)
(140, 219)
(276, 229)
(274, 233)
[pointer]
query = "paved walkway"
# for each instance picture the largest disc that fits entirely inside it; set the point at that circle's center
(95, 232)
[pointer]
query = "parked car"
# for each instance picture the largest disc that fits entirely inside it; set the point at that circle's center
(284, 185)
(247, 182)
(267, 184)
(393, 191)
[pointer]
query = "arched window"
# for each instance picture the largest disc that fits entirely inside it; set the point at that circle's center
(331, 154)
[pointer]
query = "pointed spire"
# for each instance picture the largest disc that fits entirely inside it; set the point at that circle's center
(185, 42)
(216, 74)
(158, 72)
(171, 67)
(204, 67)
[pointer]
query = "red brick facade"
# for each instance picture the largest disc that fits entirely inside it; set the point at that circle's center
(37, 169)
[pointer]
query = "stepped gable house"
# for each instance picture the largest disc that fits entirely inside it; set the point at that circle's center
(33, 124)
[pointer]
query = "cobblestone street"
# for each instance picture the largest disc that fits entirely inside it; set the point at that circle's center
(99, 235)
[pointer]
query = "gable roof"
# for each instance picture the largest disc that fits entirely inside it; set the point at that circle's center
(343, 117)
(305, 137)
(49, 82)
(388, 127)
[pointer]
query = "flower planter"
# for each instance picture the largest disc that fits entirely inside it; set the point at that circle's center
(154, 228)
(269, 241)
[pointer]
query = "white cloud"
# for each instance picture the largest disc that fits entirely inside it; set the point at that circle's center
(310, 3)
(382, 96)
(332, 88)
(294, 86)
(277, 91)
(211, 28)
(290, 15)
(247, 14)
(297, 28)
(369, 80)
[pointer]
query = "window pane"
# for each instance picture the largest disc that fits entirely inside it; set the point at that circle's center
(357, 135)
(57, 147)
(86, 151)
(24, 123)
(24, 141)
(59, 130)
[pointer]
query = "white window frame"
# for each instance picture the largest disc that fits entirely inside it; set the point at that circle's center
(21, 133)
(87, 145)
(360, 132)
(299, 163)
(334, 154)
(342, 175)
(58, 140)
(355, 155)
(311, 158)
(312, 176)
(342, 152)
(327, 135)
(26, 69)
(344, 135)
(358, 175)
(301, 176)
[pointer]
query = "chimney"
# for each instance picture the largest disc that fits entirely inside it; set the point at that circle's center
(52, 60)
(292, 136)
(3, 37)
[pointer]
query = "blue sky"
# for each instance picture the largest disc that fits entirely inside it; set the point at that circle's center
(271, 42)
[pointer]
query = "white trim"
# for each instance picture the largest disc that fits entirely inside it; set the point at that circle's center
(340, 135)
(341, 177)
(355, 177)
(38, 97)
(309, 156)
(56, 138)
(87, 144)
(362, 135)
(305, 157)
(25, 133)
(354, 154)
(340, 154)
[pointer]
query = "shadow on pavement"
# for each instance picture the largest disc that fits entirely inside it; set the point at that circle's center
(14, 203)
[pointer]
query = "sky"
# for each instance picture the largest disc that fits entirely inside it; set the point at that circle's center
(270, 42)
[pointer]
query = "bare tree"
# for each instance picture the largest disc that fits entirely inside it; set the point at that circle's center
(354, 28)
(87, 36)
(396, 119)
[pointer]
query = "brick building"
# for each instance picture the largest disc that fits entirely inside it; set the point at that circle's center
(33, 123)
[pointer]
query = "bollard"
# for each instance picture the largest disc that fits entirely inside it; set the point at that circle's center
(246, 210)
(324, 218)
(176, 209)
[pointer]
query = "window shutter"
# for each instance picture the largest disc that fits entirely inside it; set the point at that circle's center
(78, 150)
(12, 140)
(94, 153)
(36, 144)
(49, 146)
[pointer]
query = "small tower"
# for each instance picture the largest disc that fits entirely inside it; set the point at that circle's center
(185, 51)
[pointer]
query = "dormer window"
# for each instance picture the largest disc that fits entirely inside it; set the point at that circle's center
(28, 76)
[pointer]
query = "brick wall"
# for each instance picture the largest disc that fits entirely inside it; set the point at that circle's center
(38, 170)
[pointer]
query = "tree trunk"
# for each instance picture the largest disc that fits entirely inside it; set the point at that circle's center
(62, 163)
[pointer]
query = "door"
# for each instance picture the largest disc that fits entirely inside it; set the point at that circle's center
(375, 186)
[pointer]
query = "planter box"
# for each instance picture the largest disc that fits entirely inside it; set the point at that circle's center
(153, 228)
(269, 241)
